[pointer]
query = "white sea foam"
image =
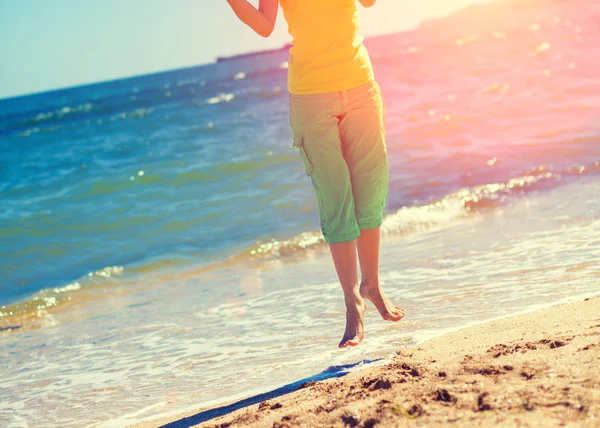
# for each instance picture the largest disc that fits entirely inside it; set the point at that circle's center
(182, 349)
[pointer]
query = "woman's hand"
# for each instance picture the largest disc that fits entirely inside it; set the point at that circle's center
(261, 20)
(367, 3)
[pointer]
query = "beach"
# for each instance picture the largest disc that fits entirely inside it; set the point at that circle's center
(161, 252)
(536, 369)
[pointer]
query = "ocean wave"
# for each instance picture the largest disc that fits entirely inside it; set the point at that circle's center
(443, 212)
(136, 102)
(135, 114)
(57, 114)
(220, 99)
(27, 125)
(63, 111)
(40, 309)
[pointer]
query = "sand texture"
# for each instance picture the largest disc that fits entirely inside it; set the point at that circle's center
(537, 369)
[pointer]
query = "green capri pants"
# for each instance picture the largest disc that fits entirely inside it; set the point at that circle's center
(341, 141)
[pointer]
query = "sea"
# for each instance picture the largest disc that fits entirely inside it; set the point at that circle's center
(159, 240)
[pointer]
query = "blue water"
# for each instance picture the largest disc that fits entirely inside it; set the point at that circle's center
(74, 199)
(219, 172)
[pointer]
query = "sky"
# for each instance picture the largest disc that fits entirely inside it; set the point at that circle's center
(50, 44)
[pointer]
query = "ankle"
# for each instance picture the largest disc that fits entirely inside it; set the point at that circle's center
(353, 299)
(369, 283)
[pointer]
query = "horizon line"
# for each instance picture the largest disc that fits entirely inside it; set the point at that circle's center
(184, 67)
(422, 23)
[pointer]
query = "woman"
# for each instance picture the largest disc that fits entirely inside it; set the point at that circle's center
(337, 119)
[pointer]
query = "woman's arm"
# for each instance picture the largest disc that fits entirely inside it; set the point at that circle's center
(367, 3)
(261, 20)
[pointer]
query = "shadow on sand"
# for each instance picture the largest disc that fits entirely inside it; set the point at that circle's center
(331, 372)
(11, 327)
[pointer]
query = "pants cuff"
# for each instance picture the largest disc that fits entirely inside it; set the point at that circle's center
(370, 224)
(341, 237)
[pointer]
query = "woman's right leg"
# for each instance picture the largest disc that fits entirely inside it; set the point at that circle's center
(344, 260)
(363, 139)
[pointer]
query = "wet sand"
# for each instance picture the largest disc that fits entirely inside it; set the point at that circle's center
(537, 369)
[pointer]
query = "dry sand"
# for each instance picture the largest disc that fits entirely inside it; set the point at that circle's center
(538, 369)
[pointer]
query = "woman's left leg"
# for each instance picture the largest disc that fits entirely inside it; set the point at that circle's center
(315, 122)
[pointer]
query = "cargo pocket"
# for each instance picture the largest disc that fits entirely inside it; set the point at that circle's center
(322, 215)
(299, 144)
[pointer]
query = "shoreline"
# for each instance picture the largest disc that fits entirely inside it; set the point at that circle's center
(535, 368)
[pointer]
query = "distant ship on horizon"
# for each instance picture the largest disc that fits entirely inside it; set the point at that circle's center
(285, 47)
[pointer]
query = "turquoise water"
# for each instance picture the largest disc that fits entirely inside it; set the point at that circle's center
(159, 239)
(128, 172)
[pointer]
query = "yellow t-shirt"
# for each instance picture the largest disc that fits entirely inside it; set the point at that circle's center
(328, 54)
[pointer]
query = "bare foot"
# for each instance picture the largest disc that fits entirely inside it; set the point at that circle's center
(354, 333)
(387, 310)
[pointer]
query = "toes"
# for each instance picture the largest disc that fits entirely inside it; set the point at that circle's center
(399, 312)
(350, 342)
(354, 341)
(345, 344)
(390, 317)
(394, 316)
